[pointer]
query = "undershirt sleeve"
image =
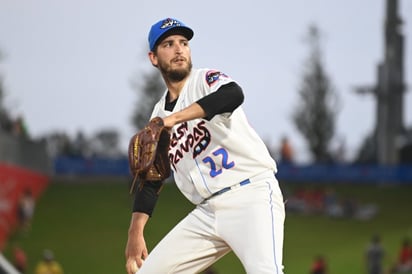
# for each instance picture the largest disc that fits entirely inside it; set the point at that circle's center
(226, 99)
(146, 198)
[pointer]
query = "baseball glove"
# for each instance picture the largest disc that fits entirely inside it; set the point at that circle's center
(148, 153)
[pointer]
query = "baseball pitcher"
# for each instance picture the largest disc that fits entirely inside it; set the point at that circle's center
(199, 133)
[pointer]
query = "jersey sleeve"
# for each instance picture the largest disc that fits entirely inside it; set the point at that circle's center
(158, 109)
(214, 79)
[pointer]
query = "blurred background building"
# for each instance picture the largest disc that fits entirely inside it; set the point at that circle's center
(391, 141)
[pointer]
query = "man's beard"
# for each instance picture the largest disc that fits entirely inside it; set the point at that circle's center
(175, 75)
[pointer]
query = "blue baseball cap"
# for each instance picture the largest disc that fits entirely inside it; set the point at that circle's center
(166, 27)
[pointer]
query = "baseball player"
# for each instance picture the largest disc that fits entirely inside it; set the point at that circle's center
(219, 163)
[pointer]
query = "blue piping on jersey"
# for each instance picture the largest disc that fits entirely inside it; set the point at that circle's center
(203, 177)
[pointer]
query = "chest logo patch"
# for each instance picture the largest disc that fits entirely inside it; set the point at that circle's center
(184, 141)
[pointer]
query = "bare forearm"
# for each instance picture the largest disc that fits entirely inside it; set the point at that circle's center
(136, 250)
(194, 111)
(138, 223)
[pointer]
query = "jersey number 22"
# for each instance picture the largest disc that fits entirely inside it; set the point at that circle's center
(218, 155)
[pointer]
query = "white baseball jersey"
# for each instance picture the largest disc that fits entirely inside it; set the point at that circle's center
(207, 156)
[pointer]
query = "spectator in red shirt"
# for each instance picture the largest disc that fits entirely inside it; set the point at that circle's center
(405, 254)
(318, 266)
(404, 263)
(20, 259)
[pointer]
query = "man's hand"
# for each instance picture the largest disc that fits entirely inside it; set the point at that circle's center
(136, 252)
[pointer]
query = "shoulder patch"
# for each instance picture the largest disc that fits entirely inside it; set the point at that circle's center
(212, 76)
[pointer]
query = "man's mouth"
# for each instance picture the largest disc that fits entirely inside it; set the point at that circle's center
(179, 60)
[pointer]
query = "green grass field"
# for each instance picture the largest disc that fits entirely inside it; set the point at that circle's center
(85, 224)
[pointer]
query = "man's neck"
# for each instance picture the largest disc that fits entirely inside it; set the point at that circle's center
(175, 88)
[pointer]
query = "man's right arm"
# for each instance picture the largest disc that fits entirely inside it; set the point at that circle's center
(144, 203)
(136, 249)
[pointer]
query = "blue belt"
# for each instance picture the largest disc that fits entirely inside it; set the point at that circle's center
(226, 189)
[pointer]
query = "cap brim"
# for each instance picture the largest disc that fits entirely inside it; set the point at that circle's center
(185, 31)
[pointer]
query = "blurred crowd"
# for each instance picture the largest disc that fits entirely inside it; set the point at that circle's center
(286, 153)
(47, 264)
(400, 263)
(326, 201)
(24, 212)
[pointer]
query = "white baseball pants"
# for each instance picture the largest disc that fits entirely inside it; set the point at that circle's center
(248, 220)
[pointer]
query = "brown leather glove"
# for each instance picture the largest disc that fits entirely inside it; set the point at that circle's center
(149, 153)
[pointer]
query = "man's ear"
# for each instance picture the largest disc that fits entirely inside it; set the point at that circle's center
(153, 58)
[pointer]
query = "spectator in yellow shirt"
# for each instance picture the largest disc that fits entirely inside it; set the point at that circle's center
(48, 265)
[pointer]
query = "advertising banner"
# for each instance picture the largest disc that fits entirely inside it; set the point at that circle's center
(15, 182)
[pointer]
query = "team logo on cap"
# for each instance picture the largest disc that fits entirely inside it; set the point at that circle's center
(169, 23)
